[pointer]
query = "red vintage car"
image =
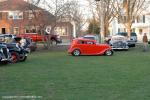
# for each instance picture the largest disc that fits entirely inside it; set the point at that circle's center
(81, 46)
(40, 37)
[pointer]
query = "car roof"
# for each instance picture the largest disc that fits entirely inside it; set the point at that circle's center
(89, 35)
(125, 33)
(83, 39)
(5, 35)
(117, 36)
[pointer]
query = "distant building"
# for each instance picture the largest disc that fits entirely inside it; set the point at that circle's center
(140, 24)
(19, 16)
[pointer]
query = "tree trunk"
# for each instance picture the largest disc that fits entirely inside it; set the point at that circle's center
(102, 31)
(129, 25)
(106, 26)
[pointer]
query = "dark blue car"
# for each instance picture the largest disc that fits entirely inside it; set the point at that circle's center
(4, 54)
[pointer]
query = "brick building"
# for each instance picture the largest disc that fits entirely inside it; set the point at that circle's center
(19, 16)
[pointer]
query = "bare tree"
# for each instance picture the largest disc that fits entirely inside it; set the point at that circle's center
(60, 9)
(128, 10)
(40, 18)
(105, 12)
(76, 15)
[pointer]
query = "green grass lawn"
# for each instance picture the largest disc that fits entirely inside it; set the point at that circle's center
(59, 76)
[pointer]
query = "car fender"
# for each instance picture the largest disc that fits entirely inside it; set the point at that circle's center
(103, 52)
(75, 49)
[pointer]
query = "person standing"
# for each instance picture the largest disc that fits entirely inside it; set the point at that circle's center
(145, 42)
(23, 42)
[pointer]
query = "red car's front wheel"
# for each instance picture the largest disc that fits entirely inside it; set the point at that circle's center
(109, 53)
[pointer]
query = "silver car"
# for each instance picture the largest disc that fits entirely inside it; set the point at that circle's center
(119, 42)
(133, 36)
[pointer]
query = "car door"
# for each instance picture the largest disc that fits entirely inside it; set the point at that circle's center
(91, 48)
(82, 46)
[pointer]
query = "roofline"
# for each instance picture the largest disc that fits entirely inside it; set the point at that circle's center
(35, 7)
(18, 10)
(81, 38)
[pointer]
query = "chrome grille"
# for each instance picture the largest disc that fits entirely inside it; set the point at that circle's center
(5, 52)
(119, 45)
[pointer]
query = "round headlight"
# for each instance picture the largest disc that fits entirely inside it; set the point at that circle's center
(7, 50)
(18, 46)
(1, 50)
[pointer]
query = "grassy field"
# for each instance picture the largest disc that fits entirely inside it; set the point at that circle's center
(59, 76)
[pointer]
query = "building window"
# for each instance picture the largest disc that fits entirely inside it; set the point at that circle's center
(133, 30)
(20, 15)
(62, 31)
(122, 19)
(140, 31)
(133, 19)
(31, 29)
(143, 18)
(15, 15)
(16, 30)
(118, 29)
(121, 29)
(31, 14)
(3, 30)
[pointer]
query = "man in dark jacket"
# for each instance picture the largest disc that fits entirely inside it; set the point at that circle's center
(145, 42)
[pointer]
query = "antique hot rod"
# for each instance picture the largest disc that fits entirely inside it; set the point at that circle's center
(81, 46)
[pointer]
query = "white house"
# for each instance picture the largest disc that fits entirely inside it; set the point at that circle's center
(140, 26)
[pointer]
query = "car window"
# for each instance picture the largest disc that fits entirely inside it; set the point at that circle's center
(133, 34)
(2, 39)
(89, 42)
(125, 34)
(85, 42)
(122, 33)
(81, 42)
(91, 38)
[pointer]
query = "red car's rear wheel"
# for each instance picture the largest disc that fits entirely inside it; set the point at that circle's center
(76, 52)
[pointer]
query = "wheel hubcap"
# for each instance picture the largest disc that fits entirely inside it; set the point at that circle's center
(108, 53)
(14, 58)
(76, 52)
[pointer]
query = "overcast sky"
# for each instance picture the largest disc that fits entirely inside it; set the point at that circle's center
(83, 6)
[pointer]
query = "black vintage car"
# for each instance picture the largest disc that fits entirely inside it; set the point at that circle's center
(17, 53)
(30, 45)
(4, 54)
